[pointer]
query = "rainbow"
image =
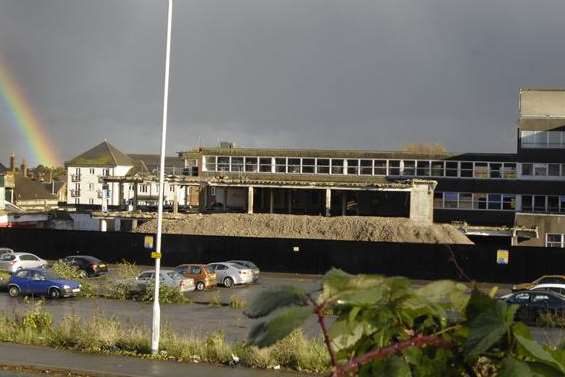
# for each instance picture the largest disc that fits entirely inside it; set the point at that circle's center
(21, 116)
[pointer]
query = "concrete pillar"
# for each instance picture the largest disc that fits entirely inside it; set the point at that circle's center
(271, 200)
(328, 203)
(133, 224)
(250, 199)
(422, 201)
(343, 203)
(175, 199)
(103, 225)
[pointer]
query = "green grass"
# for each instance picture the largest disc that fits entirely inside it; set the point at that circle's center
(237, 302)
(99, 334)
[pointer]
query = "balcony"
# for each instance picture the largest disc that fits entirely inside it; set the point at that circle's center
(75, 177)
(75, 193)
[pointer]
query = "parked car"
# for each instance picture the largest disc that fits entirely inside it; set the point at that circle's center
(86, 265)
(6, 250)
(203, 278)
(534, 303)
(170, 278)
(230, 274)
(17, 261)
(41, 282)
(546, 279)
(557, 288)
(248, 264)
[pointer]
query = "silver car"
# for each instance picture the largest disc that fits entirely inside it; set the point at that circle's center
(170, 278)
(17, 261)
(230, 274)
(248, 264)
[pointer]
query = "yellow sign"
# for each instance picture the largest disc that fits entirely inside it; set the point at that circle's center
(155, 255)
(148, 242)
(502, 256)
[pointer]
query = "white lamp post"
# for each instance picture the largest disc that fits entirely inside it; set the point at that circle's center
(155, 333)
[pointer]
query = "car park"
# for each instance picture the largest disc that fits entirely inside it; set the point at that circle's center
(202, 276)
(17, 261)
(231, 274)
(41, 282)
(546, 279)
(86, 265)
(248, 264)
(532, 304)
(169, 278)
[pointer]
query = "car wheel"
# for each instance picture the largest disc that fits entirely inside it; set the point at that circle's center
(82, 274)
(200, 286)
(54, 293)
(13, 291)
(228, 282)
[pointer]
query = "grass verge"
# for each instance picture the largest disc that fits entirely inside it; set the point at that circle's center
(100, 334)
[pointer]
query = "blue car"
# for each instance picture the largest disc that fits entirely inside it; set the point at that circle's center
(42, 283)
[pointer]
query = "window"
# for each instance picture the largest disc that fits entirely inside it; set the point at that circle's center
(562, 204)
(380, 167)
(251, 164)
(265, 164)
(353, 167)
(553, 240)
(451, 168)
(366, 167)
(527, 169)
(394, 167)
(479, 201)
(91, 187)
(495, 170)
(509, 170)
(409, 168)
(540, 170)
(539, 203)
(437, 168)
(280, 165)
(481, 170)
(450, 199)
(527, 203)
(509, 202)
(92, 171)
(196, 270)
(438, 199)
(323, 166)
(210, 163)
(553, 204)
(423, 168)
(337, 166)
(91, 201)
(294, 165)
(237, 164)
(467, 169)
(105, 172)
(553, 170)
(223, 163)
(308, 165)
(77, 171)
(465, 200)
(494, 201)
(554, 139)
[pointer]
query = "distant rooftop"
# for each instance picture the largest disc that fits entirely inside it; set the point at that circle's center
(102, 155)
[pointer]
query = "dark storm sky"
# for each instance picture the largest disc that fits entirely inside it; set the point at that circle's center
(311, 73)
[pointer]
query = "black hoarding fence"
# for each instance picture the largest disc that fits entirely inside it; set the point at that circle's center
(418, 261)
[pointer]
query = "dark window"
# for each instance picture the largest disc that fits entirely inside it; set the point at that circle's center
(467, 169)
(353, 167)
(337, 166)
(437, 168)
(294, 165)
(539, 203)
(380, 167)
(394, 167)
(366, 167)
(528, 169)
(323, 166)
(308, 165)
(495, 170)
(237, 164)
(423, 168)
(251, 164)
(494, 201)
(265, 164)
(553, 204)
(280, 165)
(409, 168)
(527, 203)
(451, 168)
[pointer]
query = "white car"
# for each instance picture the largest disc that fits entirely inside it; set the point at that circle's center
(17, 261)
(230, 274)
(6, 250)
(170, 278)
(248, 264)
(554, 287)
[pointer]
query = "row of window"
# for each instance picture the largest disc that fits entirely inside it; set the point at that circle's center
(500, 202)
(407, 168)
(554, 240)
(542, 139)
(92, 171)
(479, 201)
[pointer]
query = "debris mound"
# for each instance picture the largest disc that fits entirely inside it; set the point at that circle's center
(347, 228)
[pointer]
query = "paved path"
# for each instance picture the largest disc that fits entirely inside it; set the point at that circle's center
(42, 357)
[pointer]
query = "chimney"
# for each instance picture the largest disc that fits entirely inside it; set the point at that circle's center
(12, 162)
(23, 168)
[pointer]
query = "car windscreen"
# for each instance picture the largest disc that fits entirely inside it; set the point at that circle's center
(7, 257)
(51, 275)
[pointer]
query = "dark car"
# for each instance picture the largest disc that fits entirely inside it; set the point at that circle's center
(42, 283)
(534, 303)
(86, 265)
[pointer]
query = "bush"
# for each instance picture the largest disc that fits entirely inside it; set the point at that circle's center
(68, 272)
(167, 295)
(237, 302)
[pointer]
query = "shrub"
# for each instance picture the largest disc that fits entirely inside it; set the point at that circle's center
(215, 299)
(66, 271)
(237, 302)
(167, 295)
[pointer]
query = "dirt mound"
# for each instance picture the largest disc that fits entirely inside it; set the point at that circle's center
(351, 228)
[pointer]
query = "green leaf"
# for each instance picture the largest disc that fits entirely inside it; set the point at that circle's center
(536, 351)
(514, 368)
(336, 284)
(478, 303)
(391, 367)
(272, 299)
(446, 292)
(345, 334)
(269, 332)
(488, 327)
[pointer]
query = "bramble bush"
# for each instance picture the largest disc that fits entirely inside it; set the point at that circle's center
(385, 327)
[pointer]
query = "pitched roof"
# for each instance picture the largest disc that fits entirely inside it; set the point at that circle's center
(3, 169)
(104, 154)
(27, 189)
